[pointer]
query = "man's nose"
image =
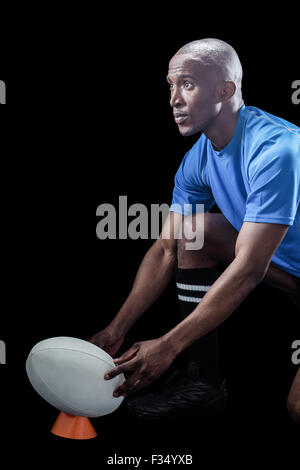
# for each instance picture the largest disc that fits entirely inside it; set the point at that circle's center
(176, 98)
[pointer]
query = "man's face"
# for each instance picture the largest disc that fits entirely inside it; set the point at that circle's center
(193, 94)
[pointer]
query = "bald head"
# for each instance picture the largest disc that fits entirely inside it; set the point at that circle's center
(217, 55)
(205, 79)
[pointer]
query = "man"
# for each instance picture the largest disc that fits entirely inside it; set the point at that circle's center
(248, 162)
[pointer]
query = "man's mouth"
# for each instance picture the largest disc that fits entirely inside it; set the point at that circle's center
(180, 117)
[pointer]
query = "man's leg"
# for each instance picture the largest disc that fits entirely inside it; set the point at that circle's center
(197, 271)
(219, 247)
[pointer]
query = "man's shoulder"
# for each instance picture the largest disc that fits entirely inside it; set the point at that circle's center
(200, 143)
(267, 125)
(264, 131)
(193, 165)
(198, 149)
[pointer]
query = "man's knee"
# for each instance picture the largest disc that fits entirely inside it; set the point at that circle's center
(218, 237)
(195, 243)
(197, 226)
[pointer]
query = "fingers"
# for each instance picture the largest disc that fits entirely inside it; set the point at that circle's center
(128, 366)
(125, 363)
(129, 386)
(126, 356)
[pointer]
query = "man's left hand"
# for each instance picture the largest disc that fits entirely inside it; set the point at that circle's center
(146, 360)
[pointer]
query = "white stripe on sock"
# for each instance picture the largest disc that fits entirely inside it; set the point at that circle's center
(192, 287)
(189, 299)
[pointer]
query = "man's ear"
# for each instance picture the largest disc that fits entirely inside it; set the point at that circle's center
(226, 90)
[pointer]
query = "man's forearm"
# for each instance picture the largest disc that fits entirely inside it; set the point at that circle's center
(226, 294)
(155, 272)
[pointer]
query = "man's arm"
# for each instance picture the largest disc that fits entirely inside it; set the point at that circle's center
(255, 247)
(155, 272)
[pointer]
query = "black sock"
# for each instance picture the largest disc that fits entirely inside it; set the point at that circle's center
(192, 284)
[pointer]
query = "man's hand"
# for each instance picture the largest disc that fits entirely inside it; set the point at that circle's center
(108, 339)
(146, 361)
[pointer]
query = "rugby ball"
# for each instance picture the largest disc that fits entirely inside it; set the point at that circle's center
(69, 374)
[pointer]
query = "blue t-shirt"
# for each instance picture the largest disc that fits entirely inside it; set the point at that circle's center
(255, 178)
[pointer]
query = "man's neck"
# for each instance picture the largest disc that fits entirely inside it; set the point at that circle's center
(222, 129)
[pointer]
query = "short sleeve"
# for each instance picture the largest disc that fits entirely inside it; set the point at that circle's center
(275, 187)
(190, 189)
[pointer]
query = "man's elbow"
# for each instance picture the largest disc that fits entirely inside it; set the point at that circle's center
(258, 274)
(167, 250)
(255, 271)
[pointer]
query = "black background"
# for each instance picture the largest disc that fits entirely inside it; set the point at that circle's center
(90, 121)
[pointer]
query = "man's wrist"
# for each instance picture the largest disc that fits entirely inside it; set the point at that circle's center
(172, 343)
(119, 326)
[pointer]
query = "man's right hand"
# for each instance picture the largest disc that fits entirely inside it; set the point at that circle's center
(108, 340)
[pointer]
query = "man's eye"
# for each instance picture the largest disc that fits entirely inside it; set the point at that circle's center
(171, 86)
(187, 84)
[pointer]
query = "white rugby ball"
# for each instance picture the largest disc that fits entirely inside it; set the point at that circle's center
(69, 374)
